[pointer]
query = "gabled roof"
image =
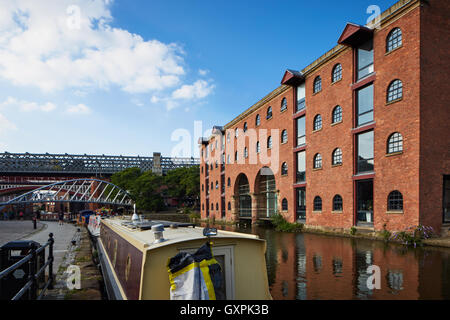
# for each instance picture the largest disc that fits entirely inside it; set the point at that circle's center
(354, 34)
(292, 78)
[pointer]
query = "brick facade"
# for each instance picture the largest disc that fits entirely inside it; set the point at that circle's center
(421, 116)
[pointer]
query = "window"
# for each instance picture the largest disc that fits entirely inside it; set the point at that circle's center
(217, 164)
(212, 186)
(365, 105)
(337, 156)
(245, 152)
(284, 169)
(394, 40)
(236, 132)
(284, 136)
(245, 127)
(301, 131)
(258, 147)
(317, 203)
(203, 206)
(228, 159)
(337, 203)
(317, 161)
(337, 114)
(217, 184)
(395, 201)
(269, 143)
(203, 187)
(284, 204)
(283, 105)
(365, 152)
(228, 137)
(301, 97)
(317, 122)
(258, 120)
(317, 84)
(395, 143)
(337, 73)
(229, 205)
(217, 206)
(212, 206)
(269, 113)
(229, 182)
(365, 59)
(236, 156)
(395, 91)
(301, 166)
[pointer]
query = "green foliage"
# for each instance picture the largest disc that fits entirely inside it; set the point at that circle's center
(281, 224)
(353, 231)
(194, 216)
(385, 234)
(414, 236)
(147, 189)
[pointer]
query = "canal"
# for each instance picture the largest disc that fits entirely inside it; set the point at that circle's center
(312, 266)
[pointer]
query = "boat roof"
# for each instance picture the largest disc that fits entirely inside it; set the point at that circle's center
(144, 238)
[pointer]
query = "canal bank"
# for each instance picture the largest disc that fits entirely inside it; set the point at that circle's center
(354, 233)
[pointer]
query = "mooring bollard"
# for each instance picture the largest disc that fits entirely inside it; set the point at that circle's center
(34, 223)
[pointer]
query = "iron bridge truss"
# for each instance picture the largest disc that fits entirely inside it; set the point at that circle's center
(86, 164)
(75, 191)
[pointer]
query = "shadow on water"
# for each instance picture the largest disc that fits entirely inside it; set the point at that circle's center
(310, 266)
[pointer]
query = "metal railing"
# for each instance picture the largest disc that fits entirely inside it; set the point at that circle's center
(32, 285)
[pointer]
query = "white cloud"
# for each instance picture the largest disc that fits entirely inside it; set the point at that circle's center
(6, 125)
(186, 93)
(203, 72)
(27, 106)
(45, 45)
(198, 90)
(79, 109)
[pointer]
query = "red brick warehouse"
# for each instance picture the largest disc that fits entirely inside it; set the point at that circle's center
(360, 137)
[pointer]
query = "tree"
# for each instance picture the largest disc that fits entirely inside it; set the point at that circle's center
(147, 190)
(183, 183)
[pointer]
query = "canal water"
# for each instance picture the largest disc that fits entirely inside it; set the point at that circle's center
(311, 266)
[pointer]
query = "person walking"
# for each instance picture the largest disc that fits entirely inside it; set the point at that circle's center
(38, 215)
(21, 215)
(61, 218)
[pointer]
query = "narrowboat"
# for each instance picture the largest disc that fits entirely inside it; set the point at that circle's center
(135, 259)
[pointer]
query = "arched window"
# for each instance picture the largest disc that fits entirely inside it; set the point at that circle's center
(284, 169)
(337, 203)
(236, 156)
(229, 205)
(217, 206)
(337, 73)
(203, 206)
(258, 147)
(337, 114)
(395, 143)
(212, 206)
(317, 122)
(337, 156)
(269, 113)
(395, 201)
(229, 182)
(283, 105)
(203, 187)
(258, 120)
(245, 152)
(284, 204)
(317, 84)
(395, 91)
(284, 136)
(394, 39)
(269, 143)
(245, 127)
(317, 203)
(317, 161)
(236, 132)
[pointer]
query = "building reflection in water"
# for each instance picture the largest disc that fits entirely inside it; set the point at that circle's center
(308, 266)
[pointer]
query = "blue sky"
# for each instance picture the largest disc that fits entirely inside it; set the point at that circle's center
(120, 77)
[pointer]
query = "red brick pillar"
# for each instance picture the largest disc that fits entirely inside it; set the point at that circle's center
(234, 209)
(254, 207)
